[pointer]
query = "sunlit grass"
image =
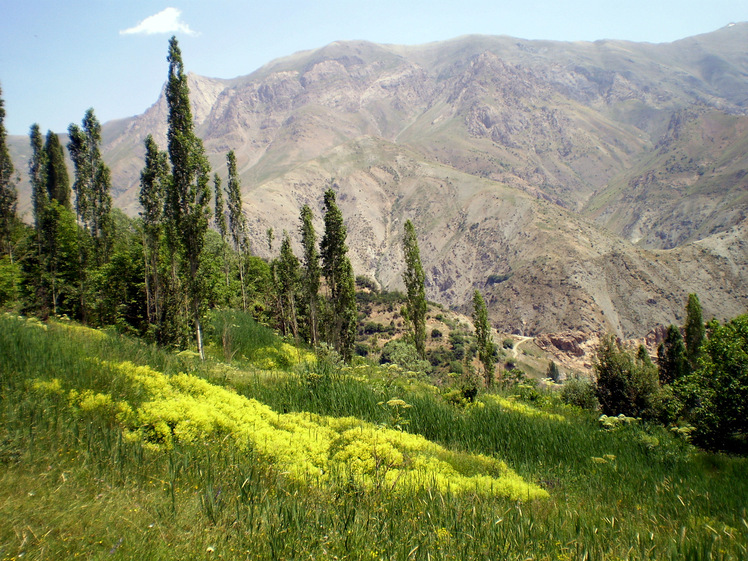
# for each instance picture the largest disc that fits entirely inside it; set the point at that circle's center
(74, 484)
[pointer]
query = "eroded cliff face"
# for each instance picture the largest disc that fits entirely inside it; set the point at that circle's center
(584, 186)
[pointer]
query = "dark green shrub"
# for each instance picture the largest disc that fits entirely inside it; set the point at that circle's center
(580, 392)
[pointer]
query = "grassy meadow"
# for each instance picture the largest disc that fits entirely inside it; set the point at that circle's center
(114, 449)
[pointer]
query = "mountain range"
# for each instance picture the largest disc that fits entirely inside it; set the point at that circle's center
(580, 186)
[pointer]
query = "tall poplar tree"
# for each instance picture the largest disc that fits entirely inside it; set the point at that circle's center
(310, 272)
(237, 221)
(188, 197)
(671, 357)
(287, 274)
(338, 273)
(483, 336)
(37, 174)
(414, 279)
(57, 179)
(8, 194)
(695, 330)
(154, 179)
(92, 185)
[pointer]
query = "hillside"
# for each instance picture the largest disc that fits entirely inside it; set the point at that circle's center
(583, 186)
(111, 448)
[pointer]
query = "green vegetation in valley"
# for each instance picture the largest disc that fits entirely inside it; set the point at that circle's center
(112, 447)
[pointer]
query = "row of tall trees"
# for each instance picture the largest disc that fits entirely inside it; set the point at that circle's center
(307, 308)
(80, 251)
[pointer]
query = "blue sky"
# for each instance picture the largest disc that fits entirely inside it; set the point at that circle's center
(60, 57)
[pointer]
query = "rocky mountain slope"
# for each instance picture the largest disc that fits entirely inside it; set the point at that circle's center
(580, 185)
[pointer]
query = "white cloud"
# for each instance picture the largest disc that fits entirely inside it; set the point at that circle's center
(166, 21)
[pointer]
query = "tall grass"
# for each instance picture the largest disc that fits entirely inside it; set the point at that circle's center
(72, 487)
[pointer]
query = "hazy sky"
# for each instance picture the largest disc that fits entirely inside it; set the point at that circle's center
(60, 57)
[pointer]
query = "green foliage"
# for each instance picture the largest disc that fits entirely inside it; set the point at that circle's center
(671, 357)
(718, 389)
(288, 275)
(484, 341)
(310, 276)
(405, 355)
(92, 184)
(414, 279)
(58, 182)
(694, 328)
(10, 282)
(8, 194)
(625, 384)
(580, 392)
(497, 279)
(154, 179)
(336, 267)
(187, 200)
(508, 343)
(553, 372)
(70, 475)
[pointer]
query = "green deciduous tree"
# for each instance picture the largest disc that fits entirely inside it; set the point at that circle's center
(92, 185)
(310, 275)
(671, 357)
(237, 223)
(336, 267)
(57, 179)
(483, 337)
(37, 175)
(694, 329)
(414, 279)
(718, 389)
(188, 197)
(625, 383)
(154, 179)
(288, 277)
(8, 194)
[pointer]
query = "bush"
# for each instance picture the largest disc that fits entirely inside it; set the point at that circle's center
(718, 391)
(404, 355)
(625, 383)
(436, 334)
(580, 392)
(508, 343)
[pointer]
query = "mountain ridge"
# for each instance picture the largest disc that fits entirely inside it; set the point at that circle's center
(594, 151)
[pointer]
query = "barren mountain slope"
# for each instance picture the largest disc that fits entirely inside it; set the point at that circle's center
(542, 268)
(497, 148)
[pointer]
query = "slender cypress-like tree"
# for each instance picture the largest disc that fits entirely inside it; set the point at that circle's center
(346, 311)
(310, 272)
(338, 273)
(8, 194)
(333, 249)
(483, 336)
(37, 175)
(414, 279)
(58, 181)
(188, 197)
(287, 272)
(237, 221)
(695, 330)
(671, 357)
(92, 185)
(219, 213)
(220, 210)
(154, 179)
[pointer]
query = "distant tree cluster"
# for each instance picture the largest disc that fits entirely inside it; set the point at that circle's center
(156, 276)
(700, 379)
